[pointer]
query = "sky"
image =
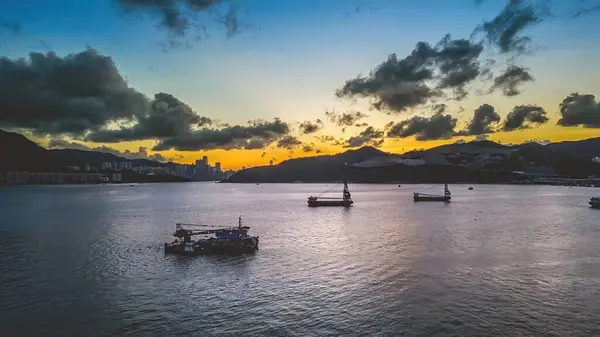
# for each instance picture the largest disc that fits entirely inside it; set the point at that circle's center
(249, 81)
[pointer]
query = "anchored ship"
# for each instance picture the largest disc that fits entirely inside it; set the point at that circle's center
(595, 202)
(213, 241)
(344, 201)
(432, 197)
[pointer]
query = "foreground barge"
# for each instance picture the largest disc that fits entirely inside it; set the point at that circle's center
(229, 240)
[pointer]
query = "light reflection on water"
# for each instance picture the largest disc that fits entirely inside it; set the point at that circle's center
(503, 260)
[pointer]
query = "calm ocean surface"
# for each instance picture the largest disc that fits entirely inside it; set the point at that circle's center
(498, 260)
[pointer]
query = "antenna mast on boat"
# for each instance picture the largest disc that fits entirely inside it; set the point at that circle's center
(240, 222)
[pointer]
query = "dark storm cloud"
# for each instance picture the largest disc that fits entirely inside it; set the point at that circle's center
(369, 136)
(231, 137)
(73, 94)
(438, 126)
(522, 116)
(166, 117)
(578, 109)
(505, 30)
(204, 121)
(288, 142)
(510, 81)
(180, 17)
(308, 127)
(346, 118)
(439, 108)
(142, 153)
(397, 85)
(483, 118)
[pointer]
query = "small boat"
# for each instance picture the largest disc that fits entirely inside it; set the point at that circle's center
(595, 202)
(470, 188)
(345, 201)
(228, 240)
(431, 197)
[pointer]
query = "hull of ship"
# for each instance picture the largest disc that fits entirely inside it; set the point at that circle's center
(595, 205)
(432, 198)
(330, 203)
(211, 248)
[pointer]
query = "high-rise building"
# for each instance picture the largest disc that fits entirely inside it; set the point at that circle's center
(218, 167)
(205, 161)
(271, 162)
(200, 168)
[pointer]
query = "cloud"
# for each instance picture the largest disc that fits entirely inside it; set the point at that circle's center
(505, 30)
(439, 108)
(231, 21)
(346, 118)
(438, 126)
(175, 157)
(369, 136)
(166, 117)
(49, 94)
(397, 85)
(586, 10)
(483, 119)
(12, 27)
(309, 148)
(204, 121)
(288, 142)
(576, 110)
(511, 79)
(179, 17)
(523, 116)
(257, 134)
(142, 153)
(326, 139)
(308, 127)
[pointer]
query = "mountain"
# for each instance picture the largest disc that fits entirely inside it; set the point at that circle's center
(477, 161)
(19, 153)
(584, 149)
(319, 168)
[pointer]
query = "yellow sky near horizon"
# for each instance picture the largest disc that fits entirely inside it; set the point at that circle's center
(236, 159)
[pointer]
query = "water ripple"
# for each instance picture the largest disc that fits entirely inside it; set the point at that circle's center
(89, 261)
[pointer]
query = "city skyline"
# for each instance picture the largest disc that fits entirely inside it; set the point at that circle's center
(120, 78)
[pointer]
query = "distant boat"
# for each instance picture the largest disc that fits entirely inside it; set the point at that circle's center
(431, 197)
(595, 202)
(345, 201)
(470, 188)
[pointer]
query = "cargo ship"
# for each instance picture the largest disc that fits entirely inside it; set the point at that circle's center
(344, 201)
(432, 197)
(227, 240)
